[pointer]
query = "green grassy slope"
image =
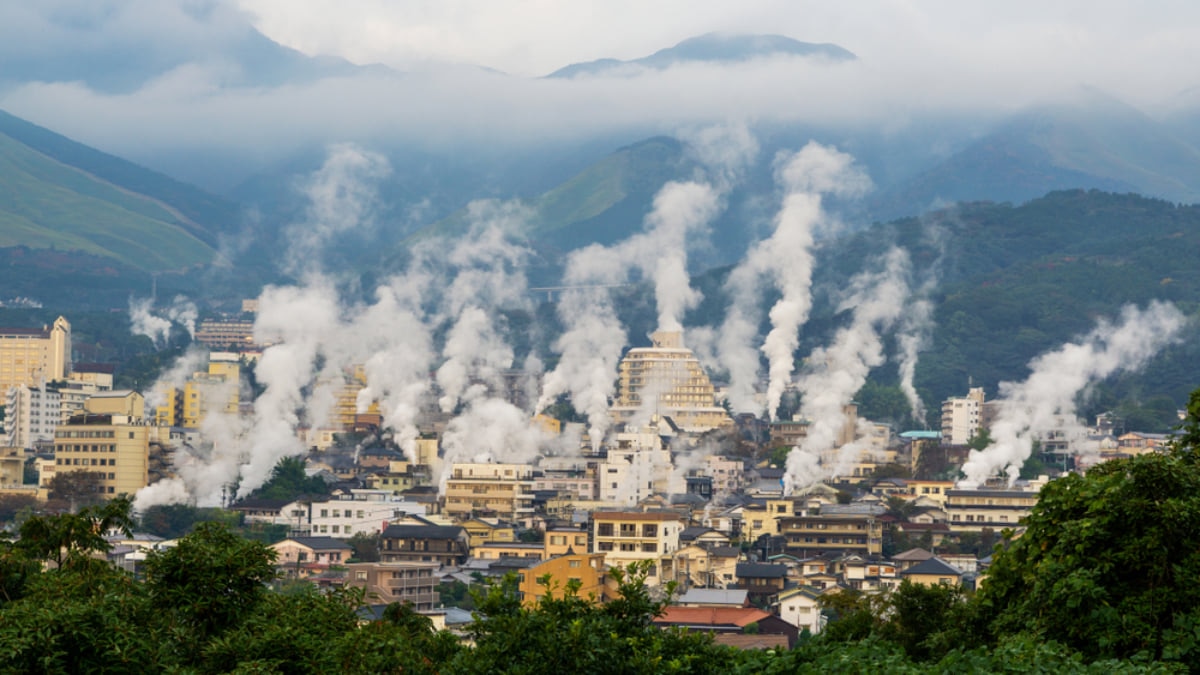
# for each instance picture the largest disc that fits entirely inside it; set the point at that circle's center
(47, 204)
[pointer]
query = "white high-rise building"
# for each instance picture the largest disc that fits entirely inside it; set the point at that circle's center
(30, 414)
(962, 417)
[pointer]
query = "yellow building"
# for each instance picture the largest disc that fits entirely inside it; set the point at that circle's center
(498, 490)
(551, 577)
(488, 531)
(31, 356)
(667, 379)
(933, 489)
(110, 439)
(218, 387)
(562, 541)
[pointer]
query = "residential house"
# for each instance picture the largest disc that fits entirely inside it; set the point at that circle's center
(714, 597)
(726, 620)
(500, 490)
(911, 557)
(489, 530)
(560, 541)
(763, 581)
(443, 544)
(706, 567)
(305, 556)
(702, 536)
(933, 572)
(801, 607)
(495, 550)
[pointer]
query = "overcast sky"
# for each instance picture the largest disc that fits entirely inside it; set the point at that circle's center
(181, 89)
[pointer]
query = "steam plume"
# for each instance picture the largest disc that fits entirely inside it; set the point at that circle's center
(841, 369)
(1039, 404)
(786, 260)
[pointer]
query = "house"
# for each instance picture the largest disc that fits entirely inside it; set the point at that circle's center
(413, 583)
(801, 607)
(551, 577)
(726, 620)
(933, 572)
(911, 557)
(443, 544)
(762, 580)
(702, 536)
(304, 556)
(514, 549)
(713, 567)
(932, 534)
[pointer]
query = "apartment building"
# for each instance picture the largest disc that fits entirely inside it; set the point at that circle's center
(413, 583)
(995, 509)
(809, 535)
(627, 536)
(668, 380)
(499, 490)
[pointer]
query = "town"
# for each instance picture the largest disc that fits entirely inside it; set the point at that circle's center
(679, 485)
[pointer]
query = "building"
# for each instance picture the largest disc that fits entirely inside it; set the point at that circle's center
(638, 465)
(995, 509)
(560, 541)
(962, 417)
(726, 620)
(85, 379)
(412, 583)
(31, 414)
(932, 572)
(232, 334)
(305, 556)
(667, 379)
(32, 356)
(216, 388)
(809, 535)
(110, 439)
(583, 571)
(499, 490)
(801, 607)
(442, 544)
(625, 537)
(763, 581)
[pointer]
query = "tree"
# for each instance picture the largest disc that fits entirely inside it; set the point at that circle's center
(71, 538)
(1108, 562)
(288, 481)
(366, 546)
(76, 488)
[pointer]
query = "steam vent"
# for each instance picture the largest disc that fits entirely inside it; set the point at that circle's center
(668, 380)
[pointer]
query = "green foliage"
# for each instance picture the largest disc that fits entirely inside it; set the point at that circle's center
(1108, 562)
(288, 481)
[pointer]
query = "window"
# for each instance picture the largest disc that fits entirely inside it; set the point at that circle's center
(324, 513)
(649, 530)
(573, 563)
(604, 529)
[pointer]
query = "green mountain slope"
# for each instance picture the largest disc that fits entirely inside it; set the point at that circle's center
(604, 203)
(48, 204)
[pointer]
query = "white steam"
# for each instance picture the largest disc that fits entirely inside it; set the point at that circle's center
(786, 260)
(157, 325)
(839, 371)
(1046, 399)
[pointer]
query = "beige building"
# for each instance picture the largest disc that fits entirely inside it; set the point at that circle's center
(32, 356)
(668, 380)
(625, 537)
(86, 379)
(815, 534)
(112, 439)
(962, 417)
(414, 583)
(500, 490)
(638, 465)
(234, 334)
(977, 510)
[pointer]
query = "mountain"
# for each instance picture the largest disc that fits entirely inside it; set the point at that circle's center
(1093, 142)
(67, 197)
(710, 48)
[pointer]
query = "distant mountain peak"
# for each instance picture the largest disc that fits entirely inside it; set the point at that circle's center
(711, 48)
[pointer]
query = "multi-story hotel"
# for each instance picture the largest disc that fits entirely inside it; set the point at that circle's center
(667, 380)
(815, 534)
(501, 490)
(30, 415)
(110, 439)
(32, 356)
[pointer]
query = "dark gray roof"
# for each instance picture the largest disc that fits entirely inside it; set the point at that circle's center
(761, 570)
(932, 566)
(321, 543)
(422, 532)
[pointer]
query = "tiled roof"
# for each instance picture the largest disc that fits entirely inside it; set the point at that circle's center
(712, 616)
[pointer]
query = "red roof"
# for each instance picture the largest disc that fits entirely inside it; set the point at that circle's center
(712, 616)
